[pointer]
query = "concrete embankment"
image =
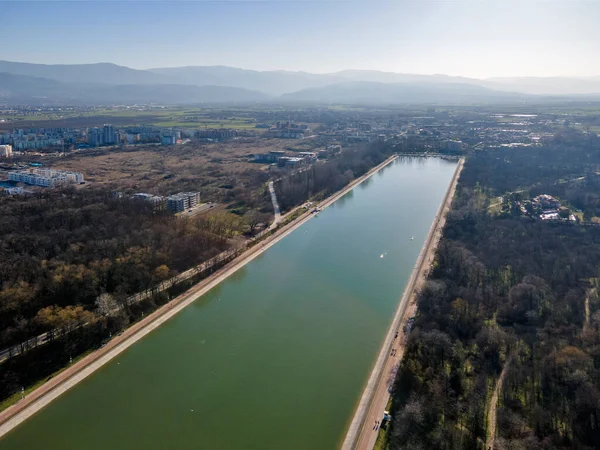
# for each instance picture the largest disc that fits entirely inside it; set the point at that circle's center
(51, 390)
(375, 396)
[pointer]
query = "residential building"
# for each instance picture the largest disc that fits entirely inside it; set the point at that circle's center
(95, 137)
(292, 133)
(132, 138)
(549, 216)
(46, 177)
(546, 202)
(109, 135)
(157, 201)
(6, 151)
(452, 146)
(290, 162)
(309, 157)
(168, 140)
(182, 201)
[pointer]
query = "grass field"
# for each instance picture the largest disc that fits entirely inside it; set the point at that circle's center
(191, 123)
(161, 117)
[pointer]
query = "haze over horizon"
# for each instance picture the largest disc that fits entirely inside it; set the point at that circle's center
(461, 38)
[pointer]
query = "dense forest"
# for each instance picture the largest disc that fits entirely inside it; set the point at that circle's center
(509, 292)
(71, 257)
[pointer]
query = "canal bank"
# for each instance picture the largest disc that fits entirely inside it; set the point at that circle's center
(52, 389)
(274, 356)
(361, 434)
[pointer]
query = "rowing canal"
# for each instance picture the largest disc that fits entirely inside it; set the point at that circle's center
(276, 356)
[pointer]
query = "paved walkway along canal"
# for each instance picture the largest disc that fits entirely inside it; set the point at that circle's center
(277, 355)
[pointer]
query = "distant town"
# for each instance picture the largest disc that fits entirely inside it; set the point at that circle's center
(114, 214)
(31, 157)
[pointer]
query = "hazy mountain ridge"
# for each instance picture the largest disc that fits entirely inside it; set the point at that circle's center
(271, 82)
(21, 89)
(390, 93)
(83, 73)
(393, 77)
(548, 85)
(106, 82)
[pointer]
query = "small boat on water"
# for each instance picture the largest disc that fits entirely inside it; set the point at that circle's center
(412, 238)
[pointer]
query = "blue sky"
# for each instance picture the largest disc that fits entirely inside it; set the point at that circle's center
(479, 38)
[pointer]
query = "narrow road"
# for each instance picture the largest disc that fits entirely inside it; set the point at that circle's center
(276, 209)
(493, 405)
(362, 434)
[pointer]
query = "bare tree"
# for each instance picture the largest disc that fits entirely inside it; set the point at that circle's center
(106, 305)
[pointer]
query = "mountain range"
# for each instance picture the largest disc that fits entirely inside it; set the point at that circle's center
(106, 83)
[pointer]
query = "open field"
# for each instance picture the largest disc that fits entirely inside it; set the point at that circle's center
(220, 171)
(162, 117)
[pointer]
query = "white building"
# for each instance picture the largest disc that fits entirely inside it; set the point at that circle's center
(549, 216)
(6, 151)
(46, 177)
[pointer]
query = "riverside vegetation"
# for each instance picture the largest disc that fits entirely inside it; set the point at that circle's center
(509, 287)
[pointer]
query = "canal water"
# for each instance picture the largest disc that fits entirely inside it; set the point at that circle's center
(276, 356)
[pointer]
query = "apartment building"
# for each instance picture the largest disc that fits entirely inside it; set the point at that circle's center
(46, 177)
(6, 151)
(182, 201)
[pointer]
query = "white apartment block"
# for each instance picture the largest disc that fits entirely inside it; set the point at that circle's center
(46, 177)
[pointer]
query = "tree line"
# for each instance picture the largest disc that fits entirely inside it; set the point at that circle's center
(507, 287)
(321, 180)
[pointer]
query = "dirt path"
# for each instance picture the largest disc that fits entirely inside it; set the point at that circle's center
(49, 391)
(591, 292)
(276, 210)
(361, 433)
(492, 407)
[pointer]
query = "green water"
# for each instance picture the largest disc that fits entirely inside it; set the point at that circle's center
(276, 356)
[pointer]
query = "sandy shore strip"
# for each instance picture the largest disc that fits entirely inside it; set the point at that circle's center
(362, 434)
(42, 396)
